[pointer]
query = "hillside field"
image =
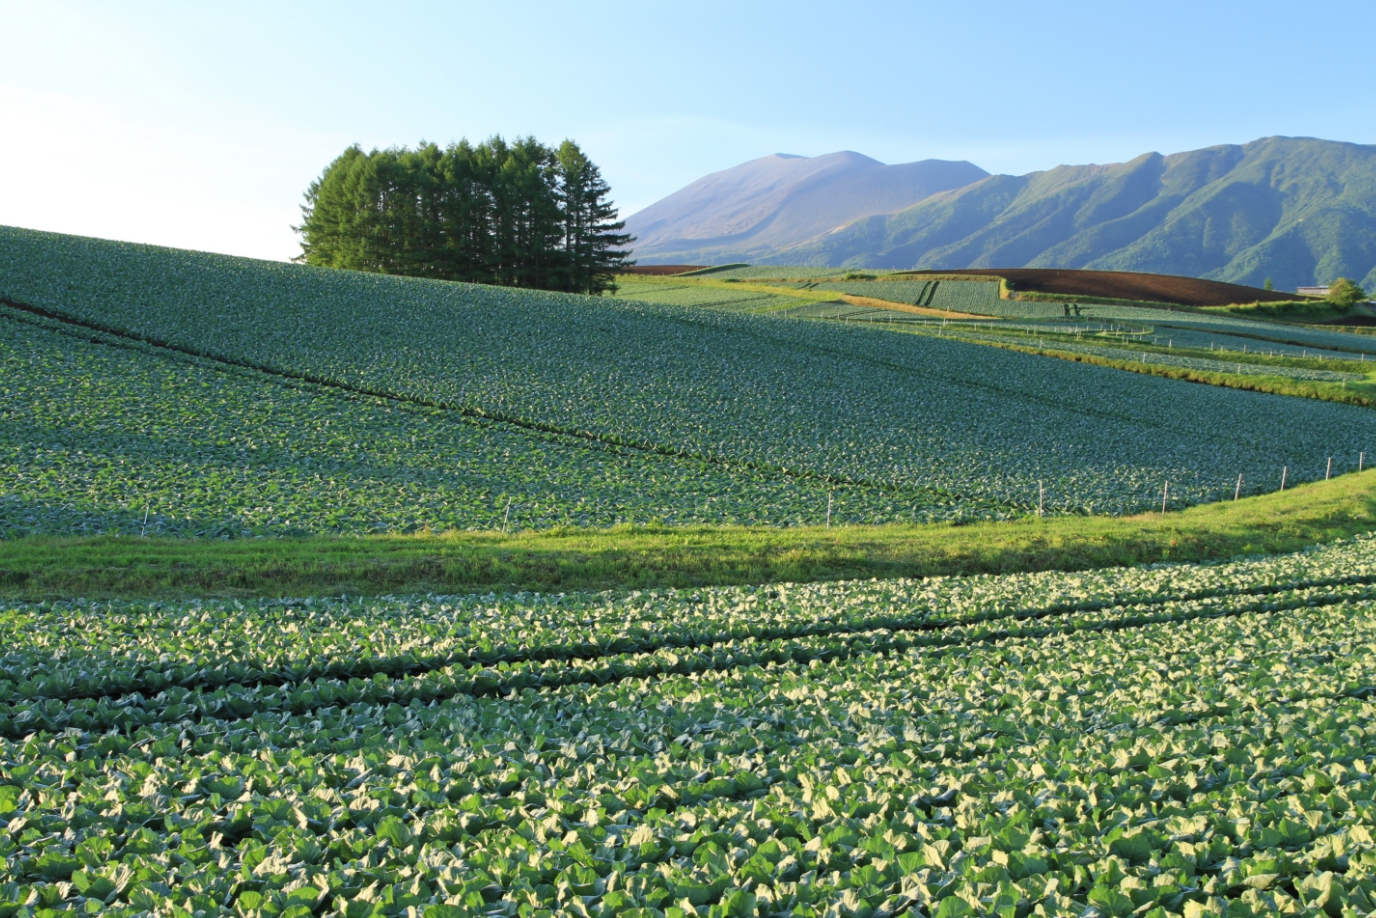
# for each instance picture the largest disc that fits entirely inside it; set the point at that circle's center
(904, 427)
(737, 595)
(1125, 285)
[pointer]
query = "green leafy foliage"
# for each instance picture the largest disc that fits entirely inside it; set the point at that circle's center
(520, 214)
(1167, 740)
(930, 421)
(115, 437)
(715, 297)
(1345, 292)
(978, 297)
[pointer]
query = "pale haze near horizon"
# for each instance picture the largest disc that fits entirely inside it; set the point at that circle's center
(201, 127)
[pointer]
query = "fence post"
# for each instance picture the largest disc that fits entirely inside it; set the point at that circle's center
(1329, 474)
(1165, 495)
(1041, 499)
(829, 493)
(1283, 470)
(1237, 492)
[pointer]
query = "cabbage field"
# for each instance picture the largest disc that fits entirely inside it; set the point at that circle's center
(107, 436)
(943, 429)
(1171, 740)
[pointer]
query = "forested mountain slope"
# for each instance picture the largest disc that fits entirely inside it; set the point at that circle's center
(1297, 210)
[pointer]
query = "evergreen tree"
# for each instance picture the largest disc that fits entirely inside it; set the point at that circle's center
(594, 243)
(517, 213)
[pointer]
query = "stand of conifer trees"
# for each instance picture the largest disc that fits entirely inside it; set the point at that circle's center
(519, 214)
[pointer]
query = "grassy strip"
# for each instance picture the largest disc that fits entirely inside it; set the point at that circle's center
(637, 557)
(1288, 311)
(1362, 394)
(1251, 358)
(735, 286)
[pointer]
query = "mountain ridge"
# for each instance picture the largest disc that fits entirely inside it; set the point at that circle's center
(782, 199)
(1297, 210)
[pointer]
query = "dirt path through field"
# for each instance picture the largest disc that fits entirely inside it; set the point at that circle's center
(917, 310)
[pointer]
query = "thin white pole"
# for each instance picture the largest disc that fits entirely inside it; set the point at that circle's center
(507, 518)
(144, 531)
(1041, 499)
(1165, 495)
(828, 509)
(1283, 470)
(1329, 474)
(1237, 492)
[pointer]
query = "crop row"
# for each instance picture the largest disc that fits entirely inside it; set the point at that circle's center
(91, 650)
(234, 700)
(1217, 762)
(1126, 352)
(102, 439)
(967, 424)
(978, 297)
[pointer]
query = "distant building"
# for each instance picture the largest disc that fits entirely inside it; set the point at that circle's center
(1312, 291)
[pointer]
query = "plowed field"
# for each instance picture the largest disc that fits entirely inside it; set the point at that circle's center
(1128, 285)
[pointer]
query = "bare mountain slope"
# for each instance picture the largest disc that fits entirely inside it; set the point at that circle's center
(782, 200)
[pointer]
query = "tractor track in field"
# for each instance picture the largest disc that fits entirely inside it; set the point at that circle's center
(885, 641)
(585, 651)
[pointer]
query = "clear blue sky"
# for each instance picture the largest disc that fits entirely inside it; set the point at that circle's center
(199, 125)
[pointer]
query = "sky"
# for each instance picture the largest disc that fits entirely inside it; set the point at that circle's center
(200, 125)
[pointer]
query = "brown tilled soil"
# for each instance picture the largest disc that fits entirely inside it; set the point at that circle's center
(660, 270)
(1128, 285)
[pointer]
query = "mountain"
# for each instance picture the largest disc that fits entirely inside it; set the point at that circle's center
(1297, 210)
(777, 201)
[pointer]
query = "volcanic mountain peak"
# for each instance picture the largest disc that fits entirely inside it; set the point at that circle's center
(784, 199)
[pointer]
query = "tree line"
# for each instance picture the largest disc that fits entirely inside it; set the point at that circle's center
(519, 214)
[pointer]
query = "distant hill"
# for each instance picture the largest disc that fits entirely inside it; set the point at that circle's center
(770, 203)
(1297, 210)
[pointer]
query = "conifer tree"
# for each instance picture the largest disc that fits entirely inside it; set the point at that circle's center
(518, 213)
(594, 243)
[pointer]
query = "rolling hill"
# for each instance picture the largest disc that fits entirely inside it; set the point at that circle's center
(781, 200)
(1297, 210)
(218, 395)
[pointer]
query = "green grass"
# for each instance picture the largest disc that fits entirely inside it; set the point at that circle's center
(1360, 393)
(1298, 311)
(636, 557)
(725, 294)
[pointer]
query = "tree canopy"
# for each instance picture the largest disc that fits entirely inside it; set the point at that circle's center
(1344, 292)
(519, 214)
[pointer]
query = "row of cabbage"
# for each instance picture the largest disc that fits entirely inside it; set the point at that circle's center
(975, 296)
(91, 650)
(1214, 763)
(958, 422)
(1166, 359)
(1289, 339)
(96, 438)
